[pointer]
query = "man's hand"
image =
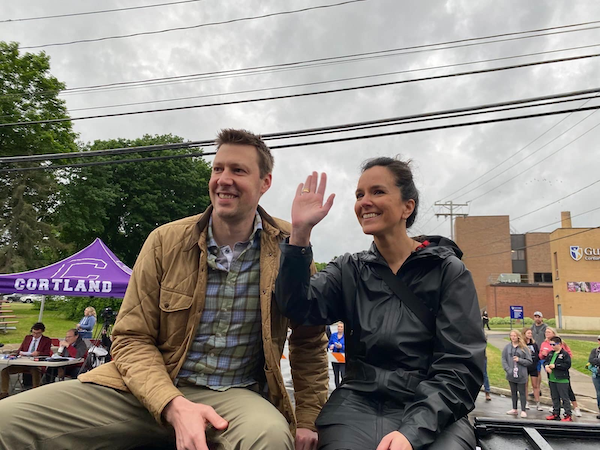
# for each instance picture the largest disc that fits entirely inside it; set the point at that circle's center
(63, 344)
(394, 441)
(36, 353)
(189, 421)
(306, 439)
(552, 366)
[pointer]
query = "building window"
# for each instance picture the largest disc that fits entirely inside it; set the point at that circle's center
(556, 277)
(517, 255)
(542, 277)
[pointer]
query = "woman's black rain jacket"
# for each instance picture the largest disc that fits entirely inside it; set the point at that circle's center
(435, 375)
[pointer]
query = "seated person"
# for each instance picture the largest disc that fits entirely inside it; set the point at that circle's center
(34, 344)
(72, 346)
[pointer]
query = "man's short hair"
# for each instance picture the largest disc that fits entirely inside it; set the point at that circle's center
(244, 137)
(556, 340)
(38, 326)
(75, 331)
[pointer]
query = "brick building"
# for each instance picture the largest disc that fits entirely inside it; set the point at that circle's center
(556, 273)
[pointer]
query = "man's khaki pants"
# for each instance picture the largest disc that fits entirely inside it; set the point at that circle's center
(75, 415)
(7, 372)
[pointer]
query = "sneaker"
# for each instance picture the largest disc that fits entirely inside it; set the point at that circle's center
(577, 412)
(527, 406)
(553, 417)
(512, 412)
(523, 414)
(539, 407)
(567, 419)
(551, 409)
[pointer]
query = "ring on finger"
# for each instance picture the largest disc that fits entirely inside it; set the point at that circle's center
(305, 190)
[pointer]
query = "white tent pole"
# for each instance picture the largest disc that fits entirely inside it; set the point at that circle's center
(42, 308)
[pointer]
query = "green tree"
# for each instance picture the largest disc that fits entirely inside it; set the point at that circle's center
(28, 200)
(122, 203)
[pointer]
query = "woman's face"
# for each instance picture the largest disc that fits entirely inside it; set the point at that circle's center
(87, 312)
(549, 334)
(379, 206)
(341, 328)
(513, 337)
(529, 334)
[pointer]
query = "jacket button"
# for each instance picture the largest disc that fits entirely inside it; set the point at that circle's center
(166, 305)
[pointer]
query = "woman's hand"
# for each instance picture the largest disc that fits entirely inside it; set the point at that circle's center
(394, 441)
(308, 208)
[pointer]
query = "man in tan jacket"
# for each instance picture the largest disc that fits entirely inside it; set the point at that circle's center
(198, 340)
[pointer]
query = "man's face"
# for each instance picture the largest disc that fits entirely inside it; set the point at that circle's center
(235, 186)
(538, 320)
(37, 333)
(70, 337)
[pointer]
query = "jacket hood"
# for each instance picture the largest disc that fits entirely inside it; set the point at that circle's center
(442, 242)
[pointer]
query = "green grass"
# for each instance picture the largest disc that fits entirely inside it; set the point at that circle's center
(581, 352)
(56, 324)
(506, 327)
(495, 371)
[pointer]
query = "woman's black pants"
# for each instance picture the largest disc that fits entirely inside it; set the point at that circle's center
(358, 421)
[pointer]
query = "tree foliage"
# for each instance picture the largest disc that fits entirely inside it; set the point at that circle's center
(28, 92)
(123, 203)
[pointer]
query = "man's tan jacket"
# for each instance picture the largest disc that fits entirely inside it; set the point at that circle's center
(162, 308)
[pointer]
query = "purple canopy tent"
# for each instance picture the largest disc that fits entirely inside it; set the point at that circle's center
(94, 271)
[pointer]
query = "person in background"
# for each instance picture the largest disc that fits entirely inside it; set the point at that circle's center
(86, 325)
(515, 360)
(594, 361)
(532, 369)
(486, 380)
(558, 363)
(538, 329)
(415, 375)
(485, 319)
(34, 344)
(545, 349)
(337, 344)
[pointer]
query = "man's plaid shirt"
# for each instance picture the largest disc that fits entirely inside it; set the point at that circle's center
(227, 345)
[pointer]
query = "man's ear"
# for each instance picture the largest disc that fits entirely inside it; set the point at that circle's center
(266, 183)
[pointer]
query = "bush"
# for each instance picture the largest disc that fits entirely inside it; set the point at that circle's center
(72, 307)
(528, 321)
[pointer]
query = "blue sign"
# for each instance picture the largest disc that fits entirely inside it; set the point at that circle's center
(516, 312)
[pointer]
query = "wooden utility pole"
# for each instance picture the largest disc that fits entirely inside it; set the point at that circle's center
(450, 206)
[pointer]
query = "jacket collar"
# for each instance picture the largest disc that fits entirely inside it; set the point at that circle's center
(439, 252)
(198, 228)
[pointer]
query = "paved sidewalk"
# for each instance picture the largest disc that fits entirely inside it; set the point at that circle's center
(582, 384)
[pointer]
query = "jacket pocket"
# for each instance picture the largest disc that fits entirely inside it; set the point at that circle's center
(175, 313)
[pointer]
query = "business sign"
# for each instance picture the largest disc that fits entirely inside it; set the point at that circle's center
(587, 253)
(516, 312)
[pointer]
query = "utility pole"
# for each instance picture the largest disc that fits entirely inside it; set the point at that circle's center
(450, 206)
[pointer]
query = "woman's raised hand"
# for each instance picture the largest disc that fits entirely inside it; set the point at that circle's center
(308, 208)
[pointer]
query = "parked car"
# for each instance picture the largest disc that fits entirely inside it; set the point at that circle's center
(30, 298)
(11, 297)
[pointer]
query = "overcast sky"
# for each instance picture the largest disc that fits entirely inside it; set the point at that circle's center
(444, 160)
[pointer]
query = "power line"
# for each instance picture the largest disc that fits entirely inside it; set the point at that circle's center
(536, 245)
(307, 94)
(338, 80)
(303, 144)
(530, 155)
(191, 27)
(450, 113)
(332, 60)
(98, 12)
(513, 155)
(544, 159)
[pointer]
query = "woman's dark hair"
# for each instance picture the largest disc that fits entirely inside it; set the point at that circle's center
(404, 180)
